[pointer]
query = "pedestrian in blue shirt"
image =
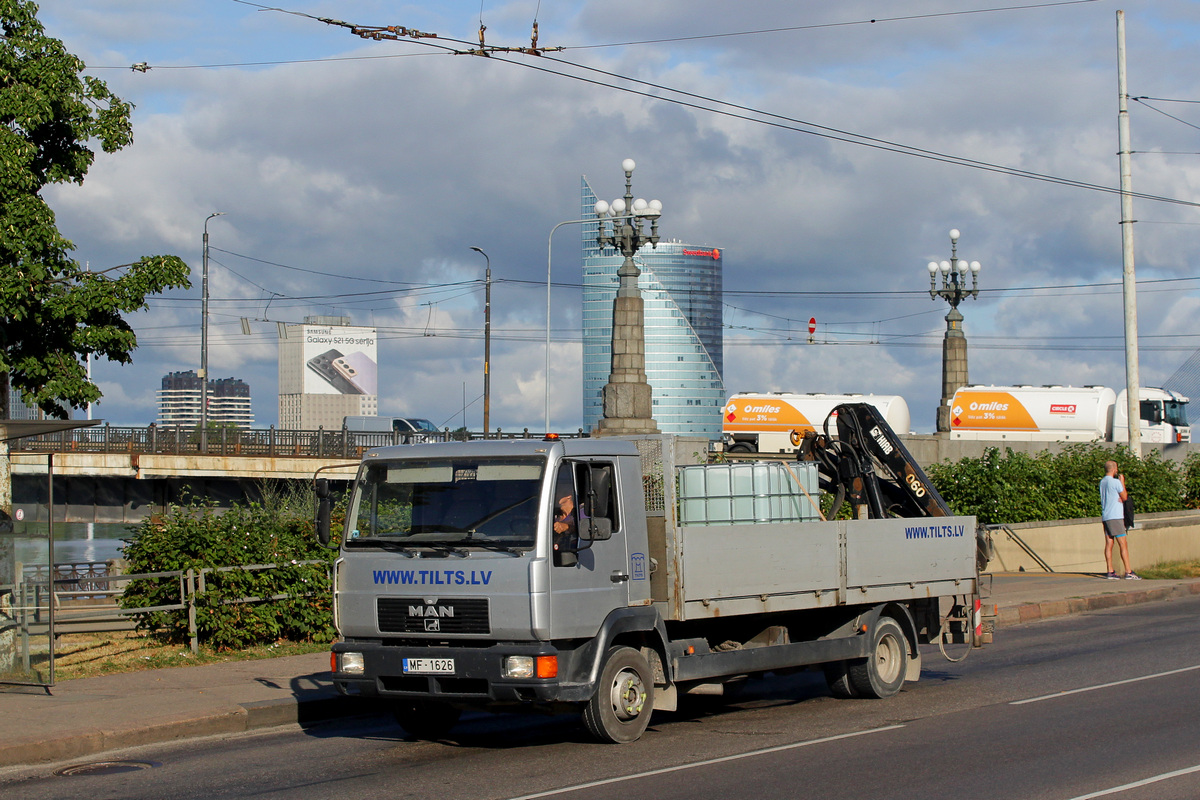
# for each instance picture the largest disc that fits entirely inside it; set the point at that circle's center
(1112, 514)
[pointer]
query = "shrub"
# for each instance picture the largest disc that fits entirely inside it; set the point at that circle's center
(1016, 487)
(196, 536)
(1191, 481)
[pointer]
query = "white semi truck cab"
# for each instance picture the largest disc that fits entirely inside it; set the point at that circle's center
(558, 574)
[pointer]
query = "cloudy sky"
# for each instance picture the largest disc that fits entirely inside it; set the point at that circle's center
(820, 145)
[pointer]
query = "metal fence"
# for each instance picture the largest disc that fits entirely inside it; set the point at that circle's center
(229, 441)
(36, 607)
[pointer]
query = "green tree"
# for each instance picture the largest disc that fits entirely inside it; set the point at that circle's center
(53, 313)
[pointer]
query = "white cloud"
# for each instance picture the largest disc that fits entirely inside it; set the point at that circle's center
(389, 169)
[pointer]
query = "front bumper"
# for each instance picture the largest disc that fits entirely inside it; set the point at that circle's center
(478, 674)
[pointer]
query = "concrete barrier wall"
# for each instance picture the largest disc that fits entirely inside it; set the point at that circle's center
(1077, 545)
(933, 448)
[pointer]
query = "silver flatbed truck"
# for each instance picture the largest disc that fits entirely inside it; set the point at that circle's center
(567, 574)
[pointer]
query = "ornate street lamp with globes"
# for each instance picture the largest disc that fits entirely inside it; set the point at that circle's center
(628, 405)
(954, 344)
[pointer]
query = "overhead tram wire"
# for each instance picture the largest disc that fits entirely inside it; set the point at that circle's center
(1144, 104)
(818, 26)
(823, 131)
(784, 123)
(664, 40)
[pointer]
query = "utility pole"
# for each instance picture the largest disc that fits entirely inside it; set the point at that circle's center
(487, 341)
(204, 339)
(1128, 281)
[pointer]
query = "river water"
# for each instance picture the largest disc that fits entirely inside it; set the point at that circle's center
(73, 541)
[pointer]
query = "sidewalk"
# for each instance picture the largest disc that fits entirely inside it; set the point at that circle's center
(86, 717)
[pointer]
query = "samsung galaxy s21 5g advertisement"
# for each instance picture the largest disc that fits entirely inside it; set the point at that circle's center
(340, 360)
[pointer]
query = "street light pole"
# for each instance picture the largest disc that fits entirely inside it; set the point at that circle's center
(549, 255)
(487, 340)
(954, 344)
(204, 338)
(628, 399)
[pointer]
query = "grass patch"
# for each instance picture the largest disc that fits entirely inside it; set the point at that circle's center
(1172, 570)
(90, 655)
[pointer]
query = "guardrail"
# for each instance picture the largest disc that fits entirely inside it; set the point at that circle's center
(229, 441)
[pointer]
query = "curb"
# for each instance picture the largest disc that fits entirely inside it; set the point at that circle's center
(31, 750)
(1031, 612)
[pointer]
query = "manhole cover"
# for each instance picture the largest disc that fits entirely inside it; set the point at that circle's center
(106, 767)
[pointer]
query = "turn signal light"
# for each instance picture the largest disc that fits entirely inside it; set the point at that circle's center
(547, 666)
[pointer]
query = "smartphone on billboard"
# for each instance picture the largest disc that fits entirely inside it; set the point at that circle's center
(360, 370)
(323, 366)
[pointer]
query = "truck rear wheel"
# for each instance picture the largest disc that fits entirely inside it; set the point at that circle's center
(424, 719)
(620, 709)
(881, 674)
(837, 677)
(741, 447)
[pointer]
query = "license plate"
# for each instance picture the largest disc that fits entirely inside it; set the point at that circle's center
(429, 666)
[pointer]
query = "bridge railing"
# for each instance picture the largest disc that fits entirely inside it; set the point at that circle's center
(232, 441)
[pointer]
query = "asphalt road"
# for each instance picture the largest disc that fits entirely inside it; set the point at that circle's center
(1100, 705)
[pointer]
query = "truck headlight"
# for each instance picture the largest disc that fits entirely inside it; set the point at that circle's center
(351, 663)
(531, 666)
(518, 666)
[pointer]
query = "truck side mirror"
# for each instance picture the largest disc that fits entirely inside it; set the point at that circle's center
(597, 529)
(599, 492)
(323, 510)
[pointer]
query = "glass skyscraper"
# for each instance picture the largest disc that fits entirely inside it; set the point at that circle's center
(681, 289)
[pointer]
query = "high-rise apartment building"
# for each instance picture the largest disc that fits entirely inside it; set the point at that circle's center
(17, 409)
(681, 289)
(179, 400)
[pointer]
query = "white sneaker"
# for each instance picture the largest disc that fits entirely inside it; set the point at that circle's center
(1133, 576)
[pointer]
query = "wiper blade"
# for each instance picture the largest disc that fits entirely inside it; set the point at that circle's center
(442, 547)
(503, 548)
(383, 544)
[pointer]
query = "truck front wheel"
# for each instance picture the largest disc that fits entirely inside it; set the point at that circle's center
(424, 719)
(620, 709)
(881, 674)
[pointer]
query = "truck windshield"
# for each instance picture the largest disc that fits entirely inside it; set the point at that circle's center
(1176, 413)
(460, 502)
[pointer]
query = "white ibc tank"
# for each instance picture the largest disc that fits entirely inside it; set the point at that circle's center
(745, 493)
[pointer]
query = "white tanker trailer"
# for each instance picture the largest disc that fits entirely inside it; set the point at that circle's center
(775, 422)
(1065, 414)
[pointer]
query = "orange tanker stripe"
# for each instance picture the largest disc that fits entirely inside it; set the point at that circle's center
(734, 427)
(992, 411)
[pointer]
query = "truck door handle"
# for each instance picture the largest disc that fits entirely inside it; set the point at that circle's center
(619, 576)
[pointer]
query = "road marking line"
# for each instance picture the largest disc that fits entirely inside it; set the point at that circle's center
(721, 760)
(1102, 686)
(1139, 784)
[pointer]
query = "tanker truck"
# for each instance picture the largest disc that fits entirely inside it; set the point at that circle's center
(775, 422)
(1065, 414)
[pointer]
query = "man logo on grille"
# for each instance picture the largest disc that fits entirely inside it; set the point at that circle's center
(433, 624)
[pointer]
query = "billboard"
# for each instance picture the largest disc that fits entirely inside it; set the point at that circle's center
(340, 360)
